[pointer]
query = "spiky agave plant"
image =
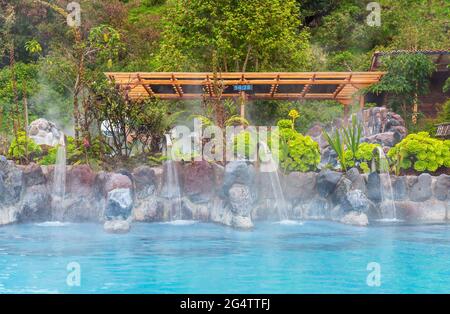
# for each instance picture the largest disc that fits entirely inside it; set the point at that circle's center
(352, 136)
(336, 143)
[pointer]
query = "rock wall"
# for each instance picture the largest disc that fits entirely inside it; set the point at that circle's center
(236, 195)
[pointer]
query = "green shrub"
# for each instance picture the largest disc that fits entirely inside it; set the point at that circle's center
(297, 152)
(362, 157)
(21, 145)
(73, 154)
(421, 152)
(249, 146)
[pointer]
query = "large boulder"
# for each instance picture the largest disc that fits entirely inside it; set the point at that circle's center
(327, 181)
(339, 196)
(374, 187)
(427, 211)
(145, 181)
(150, 209)
(194, 211)
(198, 181)
(355, 218)
(238, 172)
(44, 132)
(358, 201)
(421, 188)
(241, 199)
(119, 203)
(441, 188)
(36, 204)
(80, 180)
(117, 226)
(357, 179)
(78, 209)
(399, 187)
(315, 209)
(11, 183)
(115, 181)
(33, 175)
(300, 186)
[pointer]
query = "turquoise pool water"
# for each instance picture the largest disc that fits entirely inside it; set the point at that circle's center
(316, 257)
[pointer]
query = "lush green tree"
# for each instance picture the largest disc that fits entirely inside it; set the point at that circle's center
(408, 77)
(246, 35)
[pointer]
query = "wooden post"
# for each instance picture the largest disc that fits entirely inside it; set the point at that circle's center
(242, 98)
(346, 114)
(362, 102)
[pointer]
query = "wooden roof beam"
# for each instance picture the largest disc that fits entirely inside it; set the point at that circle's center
(274, 87)
(148, 89)
(176, 87)
(341, 87)
(308, 86)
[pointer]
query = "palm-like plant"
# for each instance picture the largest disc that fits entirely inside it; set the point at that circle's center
(352, 136)
(336, 143)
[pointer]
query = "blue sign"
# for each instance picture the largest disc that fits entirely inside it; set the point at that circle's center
(241, 88)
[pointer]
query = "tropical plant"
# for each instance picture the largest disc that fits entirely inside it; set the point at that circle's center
(408, 77)
(297, 152)
(243, 140)
(23, 148)
(352, 136)
(421, 152)
(361, 157)
(337, 144)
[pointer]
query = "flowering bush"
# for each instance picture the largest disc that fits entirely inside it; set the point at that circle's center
(421, 152)
(22, 145)
(297, 152)
(361, 158)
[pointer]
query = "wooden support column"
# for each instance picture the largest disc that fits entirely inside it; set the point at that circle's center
(362, 102)
(346, 114)
(242, 99)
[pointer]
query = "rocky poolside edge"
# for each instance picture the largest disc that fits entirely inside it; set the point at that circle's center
(235, 195)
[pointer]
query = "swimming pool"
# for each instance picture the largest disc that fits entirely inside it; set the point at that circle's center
(313, 257)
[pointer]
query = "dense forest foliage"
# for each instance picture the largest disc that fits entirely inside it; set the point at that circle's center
(57, 71)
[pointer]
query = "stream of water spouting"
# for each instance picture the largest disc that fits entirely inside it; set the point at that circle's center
(389, 212)
(172, 186)
(270, 166)
(59, 175)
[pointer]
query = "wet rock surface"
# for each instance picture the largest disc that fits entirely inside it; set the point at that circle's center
(229, 195)
(119, 204)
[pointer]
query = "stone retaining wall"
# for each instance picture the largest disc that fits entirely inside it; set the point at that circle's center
(236, 195)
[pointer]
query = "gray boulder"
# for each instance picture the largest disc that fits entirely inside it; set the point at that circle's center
(299, 185)
(33, 175)
(241, 199)
(145, 181)
(374, 187)
(119, 203)
(238, 172)
(339, 196)
(442, 187)
(36, 204)
(327, 181)
(421, 190)
(11, 183)
(358, 201)
(399, 187)
(357, 179)
(149, 209)
(117, 226)
(356, 219)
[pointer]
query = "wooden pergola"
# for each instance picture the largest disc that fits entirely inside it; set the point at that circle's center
(339, 86)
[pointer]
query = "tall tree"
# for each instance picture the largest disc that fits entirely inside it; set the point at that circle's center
(245, 35)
